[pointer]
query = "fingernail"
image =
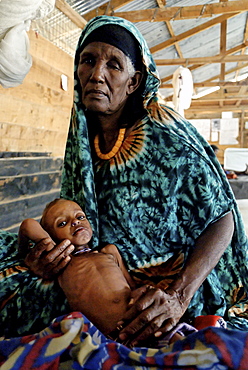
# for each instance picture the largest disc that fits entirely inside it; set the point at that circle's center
(158, 334)
(120, 323)
(131, 301)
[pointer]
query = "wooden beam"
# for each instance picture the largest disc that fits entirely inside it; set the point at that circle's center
(65, 8)
(229, 71)
(107, 8)
(161, 3)
(211, 108)
(202, 60)
(191, 32)
(171, 31)
(219, 98)
(184, 12)
(242, 129)
(177, 47)
(245, 38)
(241, 92)
(223, 30)
(246, 30)
(233, 50)
(213, 84)
(215, 77)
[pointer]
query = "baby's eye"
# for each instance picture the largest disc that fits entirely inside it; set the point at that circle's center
(82, 217)
(62, 224)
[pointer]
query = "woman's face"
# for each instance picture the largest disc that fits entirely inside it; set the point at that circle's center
(104, 78)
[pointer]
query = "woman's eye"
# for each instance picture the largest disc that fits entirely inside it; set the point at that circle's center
(86, 60)
(62, 224)
(114, 65)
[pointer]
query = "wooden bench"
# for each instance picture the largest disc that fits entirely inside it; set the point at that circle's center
(28, 181)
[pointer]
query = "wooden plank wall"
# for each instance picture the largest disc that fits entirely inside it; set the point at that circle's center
(34, 121)
(28, 181)
(34, 116)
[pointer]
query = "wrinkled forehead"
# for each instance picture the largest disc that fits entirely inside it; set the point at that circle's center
(117, 36)
(103, 50)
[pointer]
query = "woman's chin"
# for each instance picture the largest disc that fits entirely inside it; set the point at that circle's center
(96, 106)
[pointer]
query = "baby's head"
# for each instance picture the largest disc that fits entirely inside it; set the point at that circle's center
(64, 219)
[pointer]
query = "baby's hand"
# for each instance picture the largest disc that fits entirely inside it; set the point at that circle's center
(47, 259)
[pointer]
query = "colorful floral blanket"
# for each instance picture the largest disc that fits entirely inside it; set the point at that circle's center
(72, 342)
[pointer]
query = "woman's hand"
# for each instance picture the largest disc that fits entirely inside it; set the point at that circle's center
(151, 313)
(47, 259)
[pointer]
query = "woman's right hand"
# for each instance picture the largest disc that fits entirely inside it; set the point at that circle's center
(46, 259)
(151, 313)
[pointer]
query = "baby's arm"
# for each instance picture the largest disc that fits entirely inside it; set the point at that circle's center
(30, 229)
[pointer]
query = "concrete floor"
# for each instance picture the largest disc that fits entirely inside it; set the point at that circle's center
(243, 206)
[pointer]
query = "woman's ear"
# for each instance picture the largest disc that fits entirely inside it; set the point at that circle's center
(135, 82)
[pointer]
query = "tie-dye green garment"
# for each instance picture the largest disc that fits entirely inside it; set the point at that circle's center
(157, 195)
(152, 200)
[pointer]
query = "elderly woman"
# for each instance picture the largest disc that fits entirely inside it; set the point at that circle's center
(152, 186)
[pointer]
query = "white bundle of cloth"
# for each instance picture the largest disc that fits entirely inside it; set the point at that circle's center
(182, 82)
(15, 20)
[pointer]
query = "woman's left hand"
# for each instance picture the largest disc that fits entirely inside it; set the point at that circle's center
(152, 312)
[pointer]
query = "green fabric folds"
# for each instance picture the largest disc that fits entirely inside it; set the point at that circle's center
(152, 200)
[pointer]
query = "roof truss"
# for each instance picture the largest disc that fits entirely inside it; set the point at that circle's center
(220, 12)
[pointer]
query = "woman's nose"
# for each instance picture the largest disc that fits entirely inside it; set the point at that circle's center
(97, 73)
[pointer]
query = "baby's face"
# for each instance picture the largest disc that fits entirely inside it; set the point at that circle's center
(66, 220)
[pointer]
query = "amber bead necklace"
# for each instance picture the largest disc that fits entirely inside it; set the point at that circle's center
(115, 149)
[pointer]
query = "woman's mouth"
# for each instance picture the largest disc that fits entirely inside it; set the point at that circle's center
(97, 93)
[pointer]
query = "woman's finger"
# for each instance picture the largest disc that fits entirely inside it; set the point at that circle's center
(55, 260)
(60, 266)
(156, 312)
(43, 245)
(47, 264)
(135, 305)
(167, 326)
(144, 310)
(61, 250)
(148, 331)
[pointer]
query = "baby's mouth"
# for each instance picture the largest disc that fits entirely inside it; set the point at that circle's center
(78, 230)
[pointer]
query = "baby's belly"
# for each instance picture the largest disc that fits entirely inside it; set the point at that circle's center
(94, 285)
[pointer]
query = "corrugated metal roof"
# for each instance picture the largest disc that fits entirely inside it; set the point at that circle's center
(206, 43)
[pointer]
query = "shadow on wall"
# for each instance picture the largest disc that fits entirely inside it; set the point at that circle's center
(28, 181)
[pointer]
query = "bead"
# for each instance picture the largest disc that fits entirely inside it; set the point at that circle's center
(114, 150)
